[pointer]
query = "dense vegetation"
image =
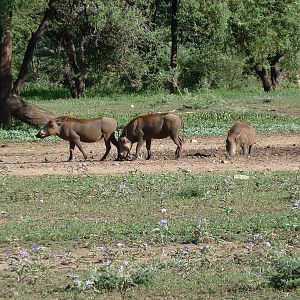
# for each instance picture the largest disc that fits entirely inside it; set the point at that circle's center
(117, 45)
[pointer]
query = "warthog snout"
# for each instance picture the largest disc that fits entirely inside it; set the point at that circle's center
(125, 147)
(41, 134)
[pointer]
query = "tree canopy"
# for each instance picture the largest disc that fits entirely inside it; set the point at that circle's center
(125, 45)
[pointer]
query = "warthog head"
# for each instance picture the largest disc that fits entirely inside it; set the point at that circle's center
(51, 128)
(231, 146)
(125, 146)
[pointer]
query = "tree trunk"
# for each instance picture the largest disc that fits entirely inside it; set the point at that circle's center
(77, 82)
(261, 71)
(5, 64)
(275, 73)
(49, 14)
(28, 113)
(173, 64)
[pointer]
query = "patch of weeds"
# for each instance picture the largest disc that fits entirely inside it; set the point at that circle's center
(116, 277)
(25, 265)
(287, 273)
(192, 192)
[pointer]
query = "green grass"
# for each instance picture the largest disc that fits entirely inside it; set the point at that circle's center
(91, 214)
(206, 112)
(64, 213)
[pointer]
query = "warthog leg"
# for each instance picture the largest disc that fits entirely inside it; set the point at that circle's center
(177, 140)
(79, 146)
(148, 146)
(107, 145)
(72, 147)
(116, 144)
(138, 147)
(250, 149)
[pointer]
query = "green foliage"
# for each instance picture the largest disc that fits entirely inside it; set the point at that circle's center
(263, 29)
(125, 45)
(287, 273)
(122, 277)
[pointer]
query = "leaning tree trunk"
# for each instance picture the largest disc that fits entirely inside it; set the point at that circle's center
(49, 14)
(26, 112)
(5, 64)
(29, 113)
(173, 64)
(261, 71)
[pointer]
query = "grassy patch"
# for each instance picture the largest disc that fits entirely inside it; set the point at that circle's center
(128, 207)
(205, 112)
(218, 237)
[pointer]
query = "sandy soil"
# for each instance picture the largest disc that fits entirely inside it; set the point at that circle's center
(272, 151)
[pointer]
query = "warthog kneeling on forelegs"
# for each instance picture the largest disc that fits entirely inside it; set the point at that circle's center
(240, 135)
(147, 127)
(82, 130)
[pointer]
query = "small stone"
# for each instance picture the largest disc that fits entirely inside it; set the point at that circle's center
(243, 177)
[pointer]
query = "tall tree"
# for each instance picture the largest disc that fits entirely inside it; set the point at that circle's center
(48, 16)
(266, 32)
(11, 105)
(173, 63)
(5, 60)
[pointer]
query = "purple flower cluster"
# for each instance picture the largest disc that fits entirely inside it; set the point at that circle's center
(35, 248)
(22, 252)
(163, 222)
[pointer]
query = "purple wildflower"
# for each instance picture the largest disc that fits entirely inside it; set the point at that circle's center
(77, 282)
(107, 262)
(6, 167)
(35, 248)
(52, 254)
(249, 245)
(63, 254)
(121, 186)
(163, 222)
(201, 222)
(266, 244)
(205, 249)
(185, 248)
(22, 252)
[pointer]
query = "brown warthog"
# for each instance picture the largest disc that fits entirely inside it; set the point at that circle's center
(240, 135)
(82, 130)
(147, 127)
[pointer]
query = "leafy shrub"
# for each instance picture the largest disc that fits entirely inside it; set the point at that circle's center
(287, 274)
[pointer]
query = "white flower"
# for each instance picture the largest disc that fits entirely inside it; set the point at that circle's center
(266, 244)
(120, 245)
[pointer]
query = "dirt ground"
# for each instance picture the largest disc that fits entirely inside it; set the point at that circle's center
(272, 151)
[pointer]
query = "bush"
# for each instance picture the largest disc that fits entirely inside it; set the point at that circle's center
(287, 274)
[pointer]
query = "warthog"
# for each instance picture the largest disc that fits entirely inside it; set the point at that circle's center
(240, 135)
(147, 127)
(82, 130)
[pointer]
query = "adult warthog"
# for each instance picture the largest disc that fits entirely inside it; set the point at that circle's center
(77, 130)
(148, 127)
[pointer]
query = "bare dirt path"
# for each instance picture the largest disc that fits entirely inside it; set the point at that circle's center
(273, 151)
